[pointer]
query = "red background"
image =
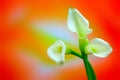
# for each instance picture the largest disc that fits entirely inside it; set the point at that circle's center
(18, 42)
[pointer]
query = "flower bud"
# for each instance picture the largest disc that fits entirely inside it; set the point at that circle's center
(78, 23)
(57, 51)
(98, 47)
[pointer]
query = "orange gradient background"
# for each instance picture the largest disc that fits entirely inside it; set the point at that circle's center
(29, 27)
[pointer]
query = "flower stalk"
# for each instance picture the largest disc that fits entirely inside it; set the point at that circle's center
(89, 69)
(70, 51)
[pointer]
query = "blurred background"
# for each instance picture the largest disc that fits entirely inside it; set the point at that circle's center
(29, 27)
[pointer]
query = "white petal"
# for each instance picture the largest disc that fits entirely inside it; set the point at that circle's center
(78, 23)
(57, 51)
(98, 47)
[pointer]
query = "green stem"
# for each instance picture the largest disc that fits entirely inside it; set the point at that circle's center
(70, 51)
(89, 70)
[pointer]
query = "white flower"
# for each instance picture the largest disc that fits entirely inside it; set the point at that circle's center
(98, 47)
(57, 51)
(78, 23)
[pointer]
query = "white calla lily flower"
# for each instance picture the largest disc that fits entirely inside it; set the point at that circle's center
(57, 51)
(98, 47)
(78, 23)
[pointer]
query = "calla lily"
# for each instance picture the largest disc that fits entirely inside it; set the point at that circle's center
(57, 51)
(78, 23)
(98, 47)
